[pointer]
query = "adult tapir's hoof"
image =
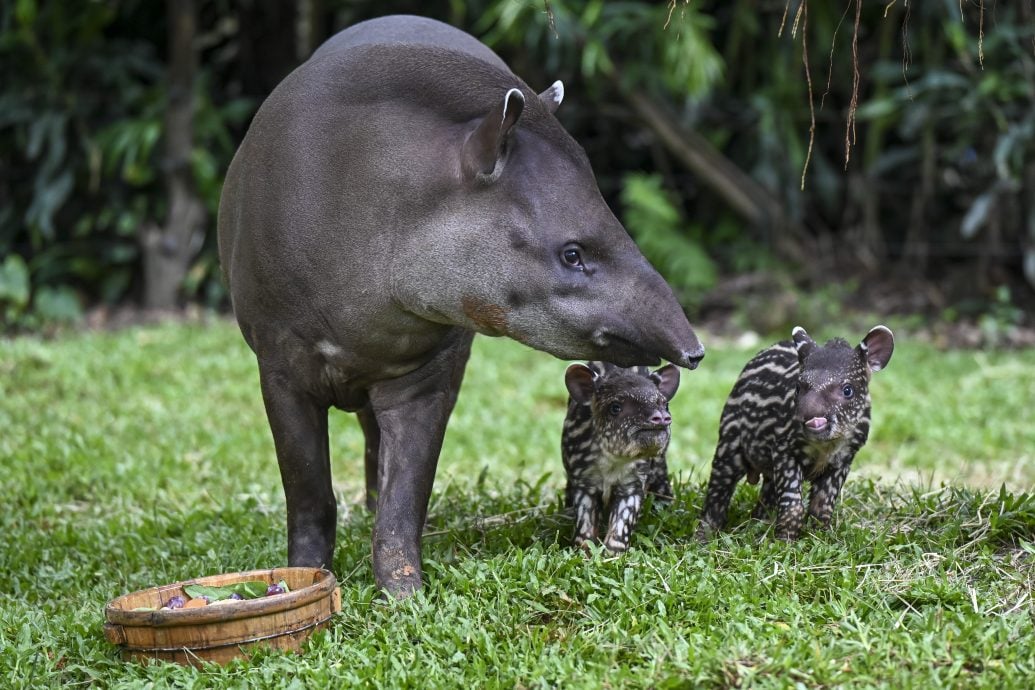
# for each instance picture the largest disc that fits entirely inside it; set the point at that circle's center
(394, 570)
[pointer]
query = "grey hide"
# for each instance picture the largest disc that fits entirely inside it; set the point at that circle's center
(397, 193)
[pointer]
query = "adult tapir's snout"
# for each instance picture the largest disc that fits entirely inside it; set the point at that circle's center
(647, 324)
(674, 338)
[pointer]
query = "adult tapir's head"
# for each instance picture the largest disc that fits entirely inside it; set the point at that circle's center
(518, 241)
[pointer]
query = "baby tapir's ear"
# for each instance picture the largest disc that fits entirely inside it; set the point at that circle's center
(876, 348)
(483, 150)
(580, 381)
(803, 342)
(667, 378)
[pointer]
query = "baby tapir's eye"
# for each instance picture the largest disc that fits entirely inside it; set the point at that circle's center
(848, 391)
(615, 408)
(572, 258)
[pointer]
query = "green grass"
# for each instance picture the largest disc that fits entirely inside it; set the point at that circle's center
(141, 457)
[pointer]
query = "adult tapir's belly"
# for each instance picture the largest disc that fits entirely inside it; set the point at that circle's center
(336, 356)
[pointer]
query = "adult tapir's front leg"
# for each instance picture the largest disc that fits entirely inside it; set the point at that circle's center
(412, 412)
(299, 426)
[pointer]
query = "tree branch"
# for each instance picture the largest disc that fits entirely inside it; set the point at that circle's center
(746, 197)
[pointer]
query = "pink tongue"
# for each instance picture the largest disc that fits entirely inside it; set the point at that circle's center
(816, 423)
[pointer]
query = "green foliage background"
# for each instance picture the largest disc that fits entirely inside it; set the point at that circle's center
(938, 188)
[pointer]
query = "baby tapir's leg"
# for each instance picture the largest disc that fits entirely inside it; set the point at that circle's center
(766, 499)
(790, 513)
(657, 482)
(626, 503)
(588, 504)
(727, 469)
(825, 490)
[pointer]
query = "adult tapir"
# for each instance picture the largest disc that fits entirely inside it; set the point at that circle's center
(397, 193)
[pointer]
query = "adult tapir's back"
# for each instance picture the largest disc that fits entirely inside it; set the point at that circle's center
(412, 30)
(397, 193)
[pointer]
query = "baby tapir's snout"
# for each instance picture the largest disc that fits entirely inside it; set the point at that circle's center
(814, 411)
(661, 418)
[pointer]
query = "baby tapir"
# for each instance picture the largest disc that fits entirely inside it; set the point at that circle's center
(798, 411)
(613, 445)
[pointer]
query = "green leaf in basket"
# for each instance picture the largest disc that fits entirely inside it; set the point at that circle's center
(283, 586)
(250, 589)
(210, 593)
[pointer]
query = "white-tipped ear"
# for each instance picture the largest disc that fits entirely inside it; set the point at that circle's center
(481, 155)
(553, 96)
(803, 342)
(877, 347)
(513, 98)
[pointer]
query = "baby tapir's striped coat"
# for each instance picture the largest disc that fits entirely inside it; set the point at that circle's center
(613, 445)
(798, 411)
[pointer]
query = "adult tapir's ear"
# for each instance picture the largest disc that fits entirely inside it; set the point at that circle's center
(553, 96)
(579, 380)
(803, 342)
(667, 378)
(877, 347)
(482, 152)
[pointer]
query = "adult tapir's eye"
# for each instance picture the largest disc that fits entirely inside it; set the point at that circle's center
(572, 258)
(615, 408)
(848, 391)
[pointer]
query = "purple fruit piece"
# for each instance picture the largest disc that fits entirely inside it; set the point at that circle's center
(176, 602)
(235, 595)
(274, 589)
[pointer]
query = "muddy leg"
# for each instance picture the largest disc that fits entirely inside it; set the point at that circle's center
(411, 412)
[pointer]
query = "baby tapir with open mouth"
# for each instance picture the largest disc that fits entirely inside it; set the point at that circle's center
(613, 446)
(798, 411)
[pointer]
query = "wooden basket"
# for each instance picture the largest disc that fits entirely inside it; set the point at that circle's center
(221, 632)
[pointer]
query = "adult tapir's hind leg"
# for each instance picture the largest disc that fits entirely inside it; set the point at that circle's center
(372, 437)
(412, 412)
(299, 426)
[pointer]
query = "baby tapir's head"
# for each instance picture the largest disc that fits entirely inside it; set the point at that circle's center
(833, 383)
(629, 405)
